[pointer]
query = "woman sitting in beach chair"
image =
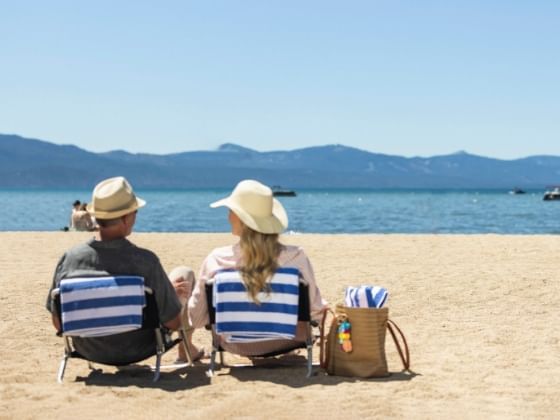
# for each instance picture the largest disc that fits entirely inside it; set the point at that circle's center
(257, 218)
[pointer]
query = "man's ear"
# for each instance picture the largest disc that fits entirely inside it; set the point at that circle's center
(128, 219)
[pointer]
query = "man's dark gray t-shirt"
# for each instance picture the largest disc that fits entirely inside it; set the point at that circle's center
(118, 257)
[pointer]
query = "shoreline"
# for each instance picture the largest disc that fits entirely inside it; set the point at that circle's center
(296, 234)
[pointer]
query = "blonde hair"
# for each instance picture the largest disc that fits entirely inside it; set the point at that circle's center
(259, 256)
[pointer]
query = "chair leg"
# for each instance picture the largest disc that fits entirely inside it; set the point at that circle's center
(215, 349)
(309, 360)
(309, 342)
(160, 349)
(157, 370)
(64, 361)
(62, 367)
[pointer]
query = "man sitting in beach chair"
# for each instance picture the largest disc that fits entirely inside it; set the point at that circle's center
(112, 320)
(99, 268)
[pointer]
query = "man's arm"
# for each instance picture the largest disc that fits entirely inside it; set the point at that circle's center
(56, 322)
(49, 303)
(165, 293)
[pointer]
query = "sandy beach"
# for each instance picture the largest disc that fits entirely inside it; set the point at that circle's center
(481, 314)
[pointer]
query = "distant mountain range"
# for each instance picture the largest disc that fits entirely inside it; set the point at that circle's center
(30, 163)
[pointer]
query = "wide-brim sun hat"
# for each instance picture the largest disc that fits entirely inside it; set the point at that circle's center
(255, 205)
(113, 198)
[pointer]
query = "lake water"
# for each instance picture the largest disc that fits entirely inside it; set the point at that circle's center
(312, 211)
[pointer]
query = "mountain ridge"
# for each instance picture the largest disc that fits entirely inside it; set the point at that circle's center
(34, 163)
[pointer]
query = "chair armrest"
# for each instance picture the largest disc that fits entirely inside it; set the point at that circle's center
(55, 293)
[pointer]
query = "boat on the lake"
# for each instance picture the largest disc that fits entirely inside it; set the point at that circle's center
(278, 191)
(553, 194)
(516, 191)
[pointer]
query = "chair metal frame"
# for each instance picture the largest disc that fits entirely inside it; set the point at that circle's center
(163, 338)
(304, 315)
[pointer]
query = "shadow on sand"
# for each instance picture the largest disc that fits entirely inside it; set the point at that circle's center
(289, 372)
(180, 379)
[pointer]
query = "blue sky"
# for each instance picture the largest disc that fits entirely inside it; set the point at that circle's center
(398, 77)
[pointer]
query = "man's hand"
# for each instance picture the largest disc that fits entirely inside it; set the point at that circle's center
(182, 288)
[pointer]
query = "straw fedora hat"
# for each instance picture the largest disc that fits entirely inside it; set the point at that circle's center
(113, 198)
(254, 204)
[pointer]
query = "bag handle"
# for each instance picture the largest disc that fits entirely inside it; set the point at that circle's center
(405, 358)
(323, 356)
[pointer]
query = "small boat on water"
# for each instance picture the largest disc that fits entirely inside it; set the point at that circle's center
(553, 194)
(516, 191)
(278, 191)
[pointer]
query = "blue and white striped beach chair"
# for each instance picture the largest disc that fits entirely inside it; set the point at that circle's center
(236, 318)
(96, 307)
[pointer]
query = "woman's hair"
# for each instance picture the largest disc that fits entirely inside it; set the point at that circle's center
(259, 259)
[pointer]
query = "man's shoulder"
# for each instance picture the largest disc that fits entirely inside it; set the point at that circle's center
(79, 249)
(124, 248)
(145, 253)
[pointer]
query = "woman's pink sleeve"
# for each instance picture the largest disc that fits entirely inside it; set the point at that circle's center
(316, 302)
(197, 306)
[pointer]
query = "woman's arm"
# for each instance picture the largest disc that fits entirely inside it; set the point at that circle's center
(316, 303)
(197, 308)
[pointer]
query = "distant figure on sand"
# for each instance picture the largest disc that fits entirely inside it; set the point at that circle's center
(82, 220)
(115, 206)
(75, 208)
(257, 219)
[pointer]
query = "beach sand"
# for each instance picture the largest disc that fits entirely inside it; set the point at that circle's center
(481, 314)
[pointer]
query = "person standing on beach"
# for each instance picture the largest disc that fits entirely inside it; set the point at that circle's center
(115, 206)
(75, 208)
(257, 219)
(82, 220)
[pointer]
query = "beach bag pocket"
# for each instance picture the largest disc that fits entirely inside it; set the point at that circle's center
(355, 343)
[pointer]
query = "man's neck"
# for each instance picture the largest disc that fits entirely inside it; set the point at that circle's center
(110, 235)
